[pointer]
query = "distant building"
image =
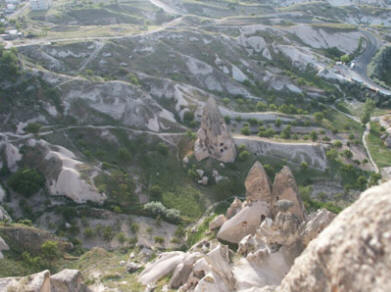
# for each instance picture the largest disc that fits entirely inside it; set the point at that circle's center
(40, 4)
(12, 34)
(10, 8)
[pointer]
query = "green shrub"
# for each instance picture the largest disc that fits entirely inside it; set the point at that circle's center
(318, 116)
(108, 233)
(158, 209)
(134, 227)
(261, 106)
(286, 133)
(155, 193)
(50, 250)
(159, 239)
(121, 237)
(245, 131)
(33, 128)
(124, 155)
(244, 155)
(188, 117)
(89, 233)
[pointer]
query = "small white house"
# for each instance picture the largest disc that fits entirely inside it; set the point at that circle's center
(40, 4)
(10, 8)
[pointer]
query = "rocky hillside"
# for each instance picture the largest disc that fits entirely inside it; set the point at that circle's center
(163, 144)
(350, 254)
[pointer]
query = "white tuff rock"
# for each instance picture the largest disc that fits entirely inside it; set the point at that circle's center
(352, 254)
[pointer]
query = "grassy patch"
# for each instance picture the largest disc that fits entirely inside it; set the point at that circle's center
(380, 153)
(194, 237)
(99, 265)
(185, 199)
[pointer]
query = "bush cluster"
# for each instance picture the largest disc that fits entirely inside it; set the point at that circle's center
(157, 208)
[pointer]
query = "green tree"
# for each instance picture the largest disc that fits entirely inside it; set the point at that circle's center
(347, 154)
(332, 154)
(318, 116)
(124, 155)
(26, 181)
(33, 128)
(244, 155)
(345, 58)
(286, 133)
(314, 136)
(261, 106)
(188, 117)
(50, 250)
(245, 131)
(155, 193)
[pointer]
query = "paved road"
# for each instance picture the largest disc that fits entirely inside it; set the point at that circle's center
(362, 62)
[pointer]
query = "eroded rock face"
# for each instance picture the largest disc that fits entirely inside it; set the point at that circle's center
(353, 253)
(315, 224)
(12, 156)
(217, 222)
(268, 241)
(234, 208)
(67, 281)
(243, 223)
(183, 271)
(3, 246)
(214, 140)
(163, 265)
(39, 282)
(4, 215)
(64, 281)
(285, 188)
(257, 184)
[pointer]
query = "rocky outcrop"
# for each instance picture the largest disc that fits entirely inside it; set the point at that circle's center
(2, 194)
(285, 188)
(166, 264)
(213, 138)
(39, 282)
(27, 238)
(12, 156)
(64, 281)
(3, 246)
(315, 224)
(65, 174)
(258, 185)
(234, 208)
(69, 182)
(217, 222)
(351, 254)
(67, 281)
(244, 222)
(183, 271)
(314, 154)
(268, 241)
(4, 215)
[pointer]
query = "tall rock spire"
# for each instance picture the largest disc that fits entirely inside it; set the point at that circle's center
(214, 140)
